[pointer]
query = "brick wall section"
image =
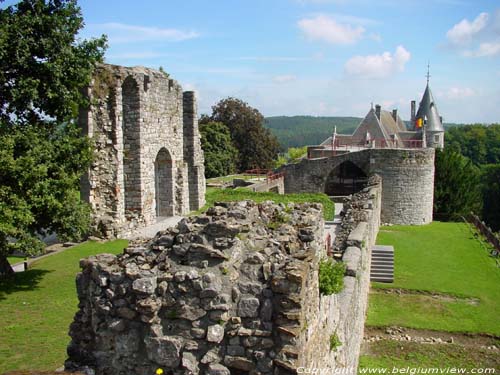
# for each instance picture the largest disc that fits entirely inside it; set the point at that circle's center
(407, 180)
(137, 117)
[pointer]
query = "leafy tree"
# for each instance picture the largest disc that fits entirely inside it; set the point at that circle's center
(43, 68)
(256, 145)
(491, 195)
(293, 154)
(480, 143)
(457, 189)
(220, 154)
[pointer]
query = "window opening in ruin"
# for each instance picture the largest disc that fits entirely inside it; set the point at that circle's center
(163, 184)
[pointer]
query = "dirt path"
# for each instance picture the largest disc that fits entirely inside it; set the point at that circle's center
(424, 336)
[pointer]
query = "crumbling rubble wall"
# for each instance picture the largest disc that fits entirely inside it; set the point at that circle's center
(233, 291)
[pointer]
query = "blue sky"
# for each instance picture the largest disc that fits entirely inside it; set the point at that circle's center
(314, 57)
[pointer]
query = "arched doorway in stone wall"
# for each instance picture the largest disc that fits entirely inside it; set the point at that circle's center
(164, 185)
(345, 179)
(131, 147)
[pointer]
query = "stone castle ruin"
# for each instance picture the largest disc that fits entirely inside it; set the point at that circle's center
(235, 291)
(148, 158)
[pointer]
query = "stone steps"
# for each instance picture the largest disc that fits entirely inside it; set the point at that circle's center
(382, 264)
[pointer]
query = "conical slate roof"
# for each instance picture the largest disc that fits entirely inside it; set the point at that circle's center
(428, 111)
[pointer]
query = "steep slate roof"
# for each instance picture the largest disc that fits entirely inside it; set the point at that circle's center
(372, 125)
(428, 110)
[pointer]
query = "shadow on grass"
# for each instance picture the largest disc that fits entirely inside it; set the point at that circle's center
(21, 282)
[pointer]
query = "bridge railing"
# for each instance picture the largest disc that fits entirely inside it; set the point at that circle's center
(343, 145)
(267, 173)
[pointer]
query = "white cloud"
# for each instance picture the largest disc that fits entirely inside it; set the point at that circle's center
(375, 37)
(123, 33)
(327, 29)
(459, 93)
(284, 78)
(484, 49)
(378, 66)
(465, 30)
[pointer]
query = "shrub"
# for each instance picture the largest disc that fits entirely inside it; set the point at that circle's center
(331, 276)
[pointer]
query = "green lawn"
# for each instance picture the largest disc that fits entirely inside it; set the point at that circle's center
(13, 259)
(390, 353)
(445, 258)
(230, 178)
(229, 195)
(37, 307)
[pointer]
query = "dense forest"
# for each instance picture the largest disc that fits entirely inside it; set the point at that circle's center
(298, 131)
(480, 144)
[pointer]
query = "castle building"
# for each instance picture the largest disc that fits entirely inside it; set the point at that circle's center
(148, 161)
(384, 129)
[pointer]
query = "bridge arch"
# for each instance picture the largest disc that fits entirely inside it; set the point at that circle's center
(344, 179)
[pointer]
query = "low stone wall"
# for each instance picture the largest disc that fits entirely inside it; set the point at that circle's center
(344, 314)
(234, 291)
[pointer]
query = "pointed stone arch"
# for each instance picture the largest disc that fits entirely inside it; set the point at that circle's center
(164, 184)
(345, 179)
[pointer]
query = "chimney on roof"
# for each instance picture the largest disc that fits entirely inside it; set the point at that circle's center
(377, 111)
(395, 115)
(413, 108)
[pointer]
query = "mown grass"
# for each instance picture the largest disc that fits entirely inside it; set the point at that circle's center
(444, 258)
(37, 307)
(462, 280)
(15, 259)
(391, 354)
(230, 178)
(230, 195)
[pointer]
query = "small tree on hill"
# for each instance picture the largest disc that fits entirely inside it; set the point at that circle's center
(257, 147)
(42, 156)
(457, 185)
(220, 154)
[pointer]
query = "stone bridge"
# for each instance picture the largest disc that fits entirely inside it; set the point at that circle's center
(407, 180)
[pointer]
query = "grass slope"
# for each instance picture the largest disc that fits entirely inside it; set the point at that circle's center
(389, 354)
(444, 258)
(37, 307)
(231, 195)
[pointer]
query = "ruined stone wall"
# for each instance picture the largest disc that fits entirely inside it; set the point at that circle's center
(407, 180)
(343, 314)
(148, 161)
(235, 291)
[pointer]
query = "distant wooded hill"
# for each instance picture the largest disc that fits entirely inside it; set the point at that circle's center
(296, 131)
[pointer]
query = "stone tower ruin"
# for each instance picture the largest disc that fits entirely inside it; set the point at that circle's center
(148, 160)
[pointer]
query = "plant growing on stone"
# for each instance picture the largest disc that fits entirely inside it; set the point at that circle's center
(42, 70)
(334, 342)
(331, 276)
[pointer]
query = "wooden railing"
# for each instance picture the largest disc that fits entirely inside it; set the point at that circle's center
(485, 231)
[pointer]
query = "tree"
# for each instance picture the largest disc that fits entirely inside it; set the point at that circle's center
(480, 143)
(220, 154)
(457, 185)
(257, 147)
(43, 69)
(491, 195)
